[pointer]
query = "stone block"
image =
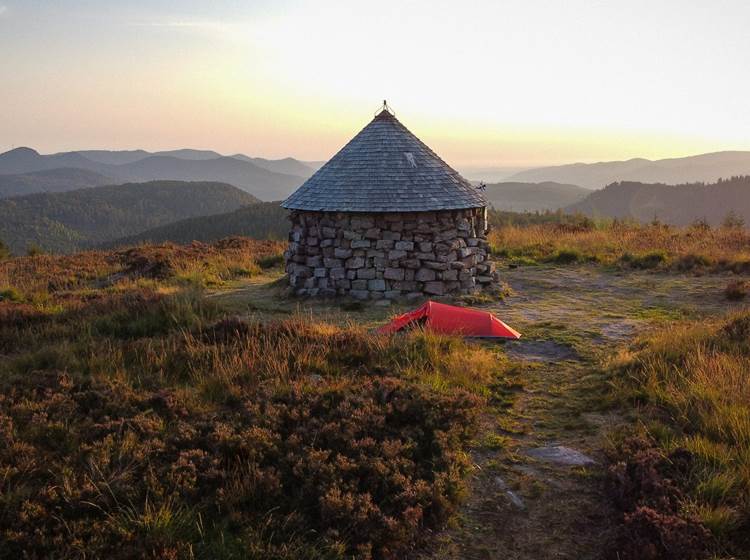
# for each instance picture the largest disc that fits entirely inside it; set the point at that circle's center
(351, 235)
(435, 265)
(404, 246)
(342, 253)
(425, 275)
(405, 286)
(355, 262)
(312, 241)
(362, 223)
(449, 275)
(393, 274)
(425, 247)
(328, 232)
(425, 256)
(351, 274)
(372, 233)
(320, 272)
(360, 244)
(484, 279)
(434, 288)
(396, 255)
(391, 236)
(384, 244)
(360, 294)
(359, 284)
(376, 285)
(391, 294)
(411, 263)
(337, 273)
(332, 263)
(366, 273)
(344, 284)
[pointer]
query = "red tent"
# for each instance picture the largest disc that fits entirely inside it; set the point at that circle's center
(449, 319)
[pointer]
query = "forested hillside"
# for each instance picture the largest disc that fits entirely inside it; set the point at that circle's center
(266, 220)
(673, 204)
(50, 180)
(62, 222)
(533, 197)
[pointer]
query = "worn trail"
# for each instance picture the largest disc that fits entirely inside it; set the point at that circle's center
(536, 491)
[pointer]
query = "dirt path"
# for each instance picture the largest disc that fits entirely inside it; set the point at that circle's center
(537, 484)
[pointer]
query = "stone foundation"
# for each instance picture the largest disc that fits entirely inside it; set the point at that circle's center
(388, 255)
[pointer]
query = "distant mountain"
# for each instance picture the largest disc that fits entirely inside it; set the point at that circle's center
(489, 173)
(50, 180)
(533, 197)
(260, 182)
(26, 160)
(289, 166)
(678, 205)
(191, 165)
(702, 168)
(112, 157)
(67, 221)
(266, 220)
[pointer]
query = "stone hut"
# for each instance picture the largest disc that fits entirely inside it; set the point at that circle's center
(385, 218)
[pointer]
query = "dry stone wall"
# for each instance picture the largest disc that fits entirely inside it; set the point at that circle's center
(388, 255)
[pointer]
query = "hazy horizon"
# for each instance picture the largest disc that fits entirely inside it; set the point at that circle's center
(520, 84)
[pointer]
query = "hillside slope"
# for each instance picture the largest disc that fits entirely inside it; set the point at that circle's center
(266, 220)
(701, 168)
(62, 222)
(533, 197)
(50, 180)
(679, 205)
(181, 165)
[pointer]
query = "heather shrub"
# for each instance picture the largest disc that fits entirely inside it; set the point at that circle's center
(138, 419)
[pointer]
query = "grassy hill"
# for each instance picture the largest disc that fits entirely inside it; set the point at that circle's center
(678, 205)
(50, 180)
(705, 167)
(63, 222)
(533, 197)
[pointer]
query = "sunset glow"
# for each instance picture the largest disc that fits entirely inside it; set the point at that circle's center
(510, 83)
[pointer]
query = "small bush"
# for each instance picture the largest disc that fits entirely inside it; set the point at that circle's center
(652, 259)
(271, 261)
(11, 294)
(567, 256)
(736, 290)
(693, 261)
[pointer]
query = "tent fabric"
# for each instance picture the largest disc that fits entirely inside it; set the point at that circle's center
(449, 319)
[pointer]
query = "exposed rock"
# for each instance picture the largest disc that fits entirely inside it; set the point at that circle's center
(560, 455)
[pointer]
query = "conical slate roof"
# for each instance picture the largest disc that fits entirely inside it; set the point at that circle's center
(385, 168)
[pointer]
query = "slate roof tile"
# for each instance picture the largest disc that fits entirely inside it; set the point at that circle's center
(385, 168)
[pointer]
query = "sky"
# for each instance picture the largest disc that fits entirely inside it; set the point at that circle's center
(494, 83)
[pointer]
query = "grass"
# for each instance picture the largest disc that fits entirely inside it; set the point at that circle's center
(140, 417)
(623, 245)
(690, 384)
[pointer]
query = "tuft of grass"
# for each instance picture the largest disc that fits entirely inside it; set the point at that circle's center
(691, 385)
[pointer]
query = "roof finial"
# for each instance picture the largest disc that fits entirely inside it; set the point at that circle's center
(385, 109)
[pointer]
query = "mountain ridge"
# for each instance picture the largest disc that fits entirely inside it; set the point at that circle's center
(708, 167)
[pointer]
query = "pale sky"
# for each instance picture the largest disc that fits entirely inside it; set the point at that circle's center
(522, 82)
